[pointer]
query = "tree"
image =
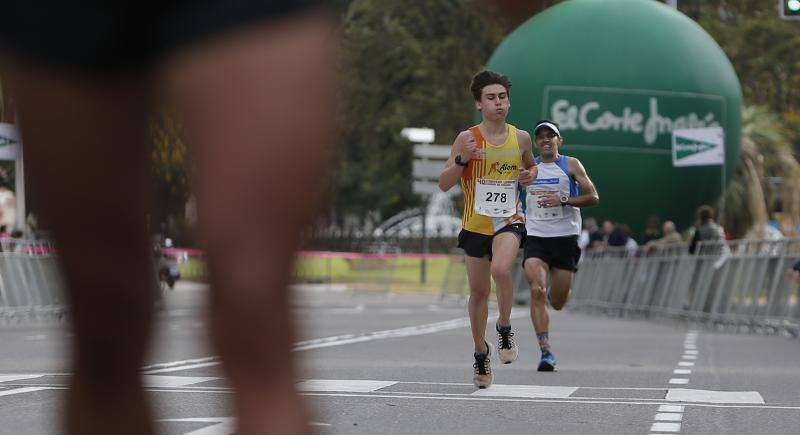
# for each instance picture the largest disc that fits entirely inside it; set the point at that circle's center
(405, 63)
(761, 47)
(766, 180)
(170, 170)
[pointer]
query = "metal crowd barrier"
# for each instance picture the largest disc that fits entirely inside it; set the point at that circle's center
(30, 284)
(740, 284)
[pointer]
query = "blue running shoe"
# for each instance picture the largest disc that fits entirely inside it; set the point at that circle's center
(547, 363)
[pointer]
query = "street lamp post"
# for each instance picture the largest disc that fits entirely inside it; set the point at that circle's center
(426, 167)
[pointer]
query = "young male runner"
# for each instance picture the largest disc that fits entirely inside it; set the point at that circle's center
(490, 159)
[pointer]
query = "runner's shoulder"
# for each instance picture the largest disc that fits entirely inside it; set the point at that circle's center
(522, 134)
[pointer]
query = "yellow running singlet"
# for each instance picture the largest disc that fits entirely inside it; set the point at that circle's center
(500, 162)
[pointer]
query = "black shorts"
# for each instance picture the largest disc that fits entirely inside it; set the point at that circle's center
(480, 245)
(122, 36)
(558, 252)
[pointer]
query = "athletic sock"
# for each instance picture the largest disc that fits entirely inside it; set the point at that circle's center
(544, 341)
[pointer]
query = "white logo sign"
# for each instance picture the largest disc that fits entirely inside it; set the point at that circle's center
(591, 117)
(9, 142)
(698, 147)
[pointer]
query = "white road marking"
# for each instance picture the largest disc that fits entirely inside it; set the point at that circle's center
(682, 372)
(679, 381)
(21, 390)
(186, 367)
(175, 381)
(686, 364)
(339, 340)
(689, 357)
(223, 426)
(666, 427)
(410, 331)
(11, 378)
(690, 346)
(347, 385)
(175, 366)
(690, 352)
(669, 416)
(602, 401)
(531, 391)
(355, 310)
(687, 395)
(670, 408)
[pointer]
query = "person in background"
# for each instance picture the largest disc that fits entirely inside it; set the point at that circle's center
(652, 230)
(671, 235)
(613, 234)
(630, 244)
(794, 272)
(706, 230)
(589, 233)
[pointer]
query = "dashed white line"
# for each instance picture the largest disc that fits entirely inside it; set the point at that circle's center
(669, 416)
(666, 427)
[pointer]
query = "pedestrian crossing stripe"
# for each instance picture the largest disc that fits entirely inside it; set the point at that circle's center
(10, 384)
(530, 391)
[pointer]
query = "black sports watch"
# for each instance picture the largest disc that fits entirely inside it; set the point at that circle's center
(564, 200)
(459, 162)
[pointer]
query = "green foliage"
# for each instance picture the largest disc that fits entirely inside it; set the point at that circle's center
(767, 177)
(405, 63)
(170, 170)
(763, 50)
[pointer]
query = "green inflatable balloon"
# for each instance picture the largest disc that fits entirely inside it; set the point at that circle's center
(645, 98)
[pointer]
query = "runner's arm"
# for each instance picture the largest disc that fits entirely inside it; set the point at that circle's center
(528, 161)
(451, 174)
(588, 196)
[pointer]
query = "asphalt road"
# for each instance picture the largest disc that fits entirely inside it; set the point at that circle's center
(402, 364)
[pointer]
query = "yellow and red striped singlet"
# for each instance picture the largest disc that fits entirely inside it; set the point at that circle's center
(500, 162)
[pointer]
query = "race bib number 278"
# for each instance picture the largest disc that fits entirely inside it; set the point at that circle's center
(495, 198)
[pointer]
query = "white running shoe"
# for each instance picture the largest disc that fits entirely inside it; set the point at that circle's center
(507, 348)
(483, 369)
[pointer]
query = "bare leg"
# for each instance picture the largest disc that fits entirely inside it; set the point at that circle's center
(88, 164)
(480, 286)
(536, 272)
(505, 247)
(560, 290)
(258, 108)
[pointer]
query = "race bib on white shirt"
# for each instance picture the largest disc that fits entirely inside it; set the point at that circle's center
(495, 198)
(536, 211)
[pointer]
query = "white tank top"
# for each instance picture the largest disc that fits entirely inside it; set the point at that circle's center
(552, 221)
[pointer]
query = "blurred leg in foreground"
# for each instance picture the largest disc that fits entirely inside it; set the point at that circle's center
(260, 118)
(257, 107)
(86, 155)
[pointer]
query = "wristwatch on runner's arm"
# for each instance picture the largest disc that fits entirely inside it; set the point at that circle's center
(564, 200)
(459, 162)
